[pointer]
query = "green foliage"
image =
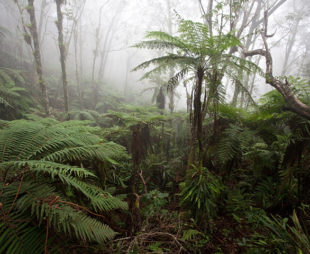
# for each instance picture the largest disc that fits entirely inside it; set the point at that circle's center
(132, 115)
(195, 240)
(238, 202)
(195, 48)
(14, 99)
(234, 143)
(280, 237)
(300, 88)
(200, 193)
(157, 200)
(40, 162)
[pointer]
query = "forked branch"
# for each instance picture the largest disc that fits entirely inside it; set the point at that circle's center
(284, 88)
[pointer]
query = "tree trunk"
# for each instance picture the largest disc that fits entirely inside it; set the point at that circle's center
(40, 27)
(96, 53)
(62, 50)
(197, 120)
(209, 16)
(109, 35)
(248, 42)
(289, 46)
(77, 75)
(140, 141)
(37, 55)
(81, 59)
(284, 88)
(256, 21)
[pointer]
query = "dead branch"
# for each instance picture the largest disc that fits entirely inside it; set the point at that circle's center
(143, 181)
(284, 88)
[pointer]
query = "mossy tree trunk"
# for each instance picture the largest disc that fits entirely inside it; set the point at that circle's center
(140, 142)
(62, 49)
(37, 55)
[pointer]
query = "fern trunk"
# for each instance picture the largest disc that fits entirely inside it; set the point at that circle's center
(197, 121)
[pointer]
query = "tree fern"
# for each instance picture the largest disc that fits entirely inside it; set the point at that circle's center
(203, 55)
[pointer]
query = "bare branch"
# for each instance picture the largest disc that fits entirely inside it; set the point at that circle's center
(284, 88)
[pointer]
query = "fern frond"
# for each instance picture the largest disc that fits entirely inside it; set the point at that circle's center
(229, 145)
(170, 59)
(35, 173)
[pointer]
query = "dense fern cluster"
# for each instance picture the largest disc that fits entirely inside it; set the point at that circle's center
(14, 98)
(110, 177)
(42, 162)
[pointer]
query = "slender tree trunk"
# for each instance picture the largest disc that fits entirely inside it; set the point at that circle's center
(289, 47)
(238, 84)
(77, 75)
(37, 55)
(252, 83)
(62, 50)
(81, 71)
(126, 76)
(209, 16)
(256, 21)
(109, 35)
(40, 27)
(248, 42)
(96, 51)
(284, 88)
(197, 121)
(171, 71)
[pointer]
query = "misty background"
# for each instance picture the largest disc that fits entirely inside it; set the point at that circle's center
(99, 36)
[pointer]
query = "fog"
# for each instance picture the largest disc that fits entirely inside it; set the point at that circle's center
(154, 126)
(99, 36)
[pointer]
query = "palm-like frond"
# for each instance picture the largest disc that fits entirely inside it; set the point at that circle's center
(234, 142)
(195, 48)
(178, 77)
(169, 60)
(36, 164)
(238, 63)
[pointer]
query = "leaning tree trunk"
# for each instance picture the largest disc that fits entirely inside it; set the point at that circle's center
(284, 88)
(37, 55)
(62, 50)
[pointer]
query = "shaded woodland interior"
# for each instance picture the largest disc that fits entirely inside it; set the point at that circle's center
(154, 126)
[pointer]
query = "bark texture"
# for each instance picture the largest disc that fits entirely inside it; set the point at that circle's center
(284, 88)
(62, 50)
(37, 55)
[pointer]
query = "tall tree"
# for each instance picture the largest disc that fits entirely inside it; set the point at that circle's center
(241, 18)
(171, 93)
(77, 10)
(98, 38)
(62, 49)
(294, 21)
(108, 38)
(37, 54)
(284, 88)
